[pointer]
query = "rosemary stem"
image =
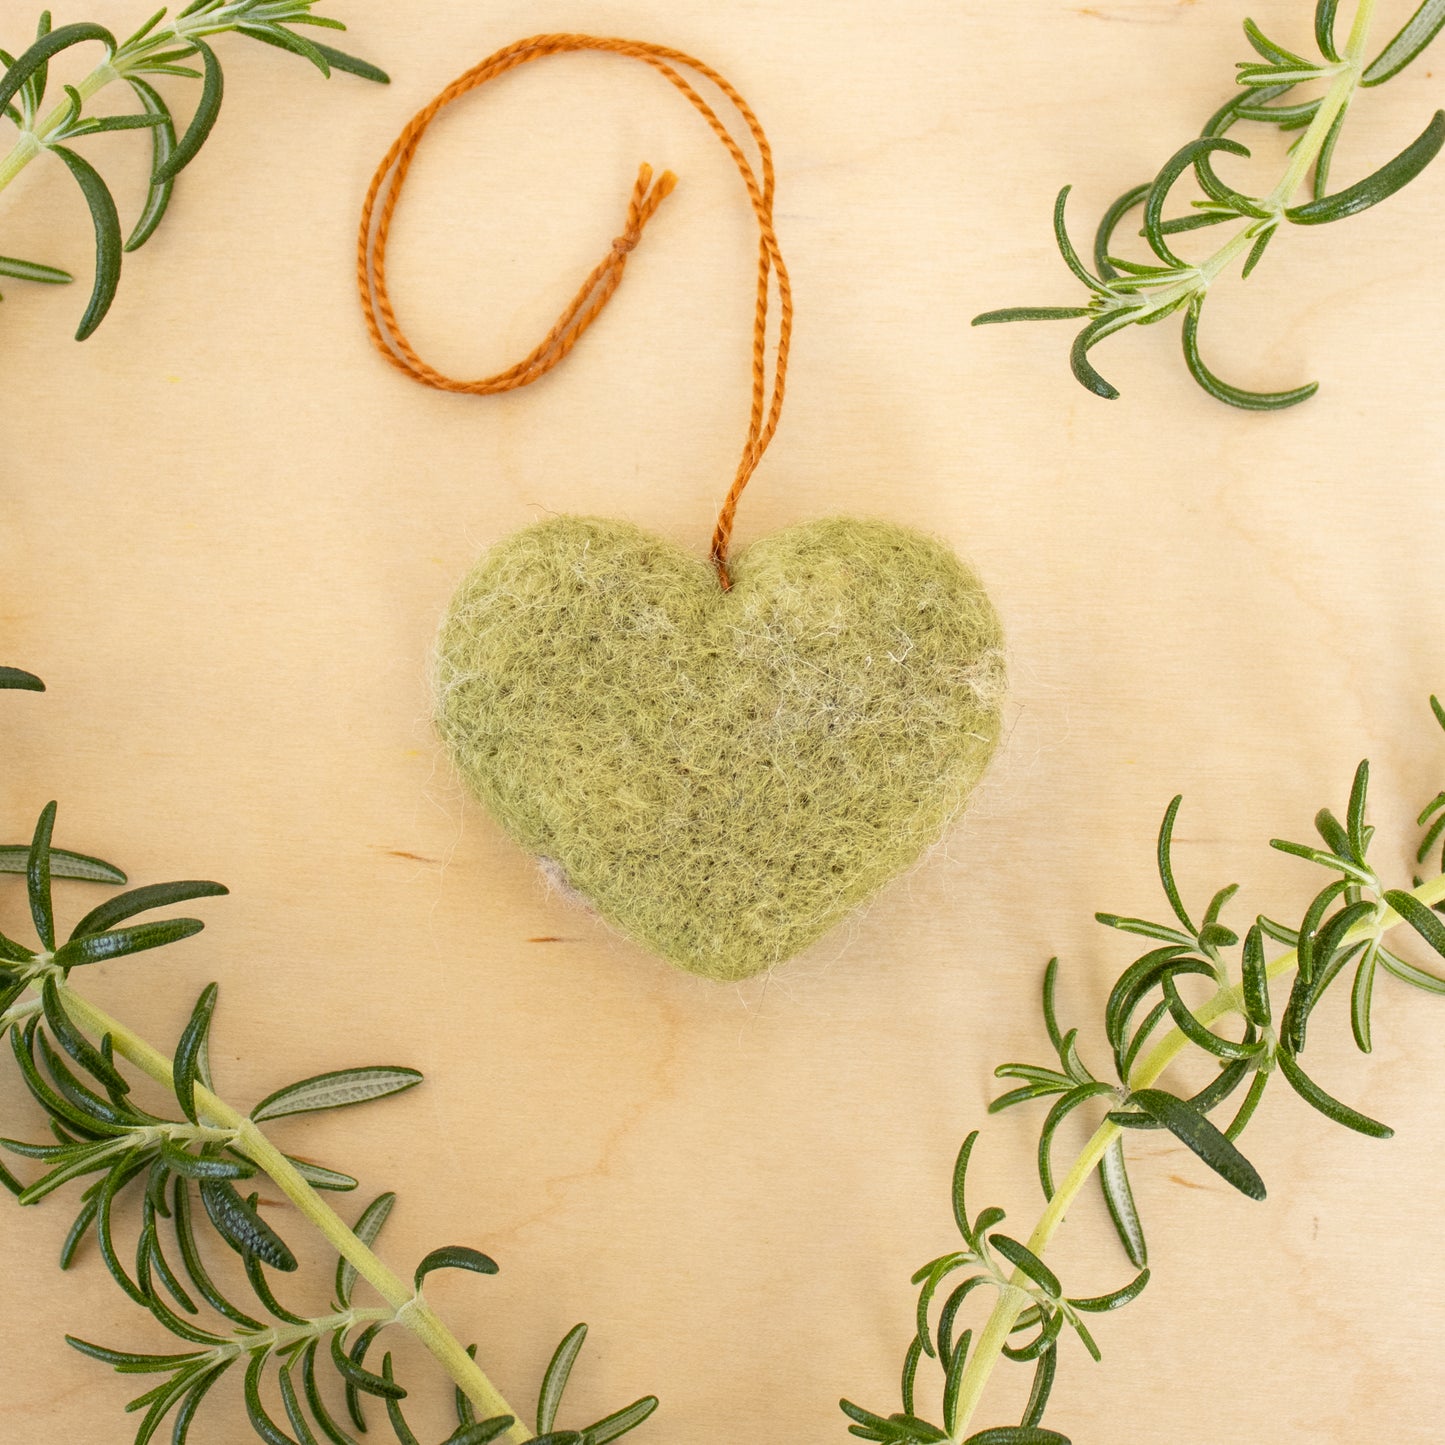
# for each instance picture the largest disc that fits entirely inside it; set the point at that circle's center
(1011, 1303)
(408, 1306)
(1306, 152)
(1339, 95)
(280, 1337)
(31, 143)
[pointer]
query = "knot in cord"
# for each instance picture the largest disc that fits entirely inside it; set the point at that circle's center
(593, 295)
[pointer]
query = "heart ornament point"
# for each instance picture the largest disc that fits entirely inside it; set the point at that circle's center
(723, 775)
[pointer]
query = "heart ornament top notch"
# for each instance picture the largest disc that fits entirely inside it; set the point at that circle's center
(722, 756)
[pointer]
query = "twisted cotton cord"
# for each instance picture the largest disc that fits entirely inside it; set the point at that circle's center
(385, 191)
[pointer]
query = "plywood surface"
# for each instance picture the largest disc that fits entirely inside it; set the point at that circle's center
(230, 531)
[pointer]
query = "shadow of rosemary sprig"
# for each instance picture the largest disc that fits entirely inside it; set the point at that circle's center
(174, 48)
(1148, 1024)
(1125, 293)
(184, 1171)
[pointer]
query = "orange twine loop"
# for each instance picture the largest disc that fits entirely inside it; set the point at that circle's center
(595, 291)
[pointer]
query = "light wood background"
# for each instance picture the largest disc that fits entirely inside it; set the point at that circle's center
(230, 531)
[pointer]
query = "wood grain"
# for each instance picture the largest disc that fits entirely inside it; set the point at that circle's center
(231, 530)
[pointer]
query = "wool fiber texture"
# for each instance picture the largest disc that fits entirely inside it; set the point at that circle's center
(723, 775)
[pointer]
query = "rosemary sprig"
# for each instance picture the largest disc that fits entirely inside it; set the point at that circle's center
(1148, 1025)
(184, 1170)
(160, 48)
(1124, 293)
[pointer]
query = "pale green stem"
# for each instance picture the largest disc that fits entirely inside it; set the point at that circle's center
(407, 1305)
(1341, 91)
(31, 143)
(179, 31)
(280, 1337)
(1010, 1305)
(1306, 153)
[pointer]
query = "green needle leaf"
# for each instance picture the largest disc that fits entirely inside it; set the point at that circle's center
(1361, 996)
(620, 1422)
(1256, 979)
(195, 1266)
(1327, 154)
(915, 1353)
(180, 1430)
(1104, 236)
(366, 1229)
(1418, 31)
(1030, 313)
(1219, 193)
(336, 1090)
(320, 1178)
(261, 1422)
(1407, 973)
(15, 857)
(456, 1256)
(207, 109)
(1114, 1181)
(1329, 1106)
(42, 910)
(1195, 1031)
(1024, 1258)
(1256, 252)
(33, 90)
(105, 916)
(1066, 246)
(241, 1227)
(1325, 28)
(107, 238)
(1391, 177)
(1061, 1110)
(291, 1400)
(1099, 1304)
(1272, 52)
(1425, 921)
(1257, 1086)
(350, 1368)
(100, 947)
(78, 1230)
(1222, 390)
(102, 125)
(1051, 1020)
(284, 39)
(1085, 341)
(1039, 1394)
(130, 1363)
(1165, 863)
(163, 145)
(1189, 155)
(49, 276)
(333, 1432)
(481, 1432)
(1355, 814)
(185, 1074)
(1017, 1435)
(70, 1038)
(340, 60)
(37, 58)
(554, 1382)
(960, 1174)
(1196, 1133)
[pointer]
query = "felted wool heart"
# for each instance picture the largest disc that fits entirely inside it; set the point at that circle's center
(722, 774)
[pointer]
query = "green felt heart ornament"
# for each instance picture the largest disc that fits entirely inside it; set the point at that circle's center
(723, 775)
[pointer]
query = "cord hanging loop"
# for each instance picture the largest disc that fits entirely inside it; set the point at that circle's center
(594, 293)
